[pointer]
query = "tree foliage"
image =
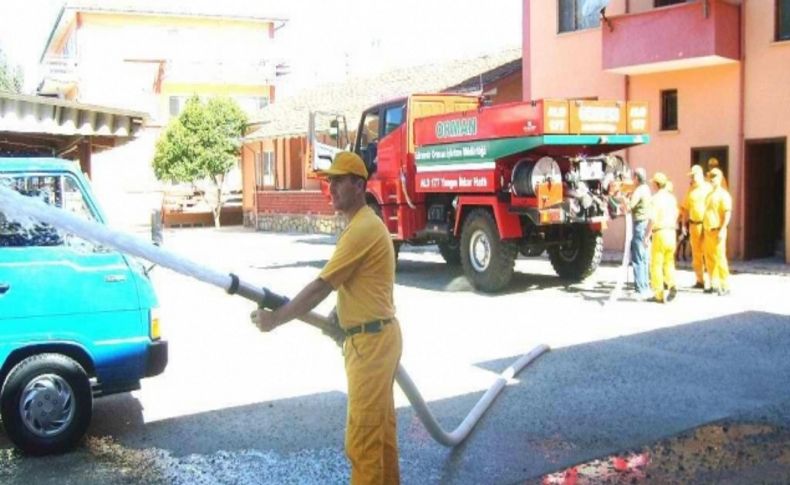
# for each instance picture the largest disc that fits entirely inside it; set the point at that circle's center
(11, 78)
(202, 143)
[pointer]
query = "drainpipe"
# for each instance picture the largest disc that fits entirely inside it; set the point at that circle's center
(526, 53)
(741, 193)
(627, 84)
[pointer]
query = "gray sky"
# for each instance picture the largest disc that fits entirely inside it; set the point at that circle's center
(324, 39)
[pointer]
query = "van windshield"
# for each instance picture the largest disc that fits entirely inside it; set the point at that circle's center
(57, 190)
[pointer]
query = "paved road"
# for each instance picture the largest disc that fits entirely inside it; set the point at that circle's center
(237, 406)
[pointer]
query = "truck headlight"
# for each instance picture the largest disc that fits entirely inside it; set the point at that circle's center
(153, 324)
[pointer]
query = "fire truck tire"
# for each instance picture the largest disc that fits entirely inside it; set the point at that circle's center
(579, 260)
(486, 259)
(450, 251)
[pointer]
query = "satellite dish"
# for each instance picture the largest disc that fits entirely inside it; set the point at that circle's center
(590, 7)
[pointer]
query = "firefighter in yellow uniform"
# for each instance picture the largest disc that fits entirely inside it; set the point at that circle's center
(693, 209)
(716, 220)
(662, 226)
(362, 270)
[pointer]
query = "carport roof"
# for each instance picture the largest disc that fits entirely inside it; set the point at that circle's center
(42, 126)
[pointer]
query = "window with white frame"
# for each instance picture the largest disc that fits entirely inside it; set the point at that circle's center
(572, 15)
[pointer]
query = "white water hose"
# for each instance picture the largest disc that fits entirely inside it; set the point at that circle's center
(18, 207)
(623, 274)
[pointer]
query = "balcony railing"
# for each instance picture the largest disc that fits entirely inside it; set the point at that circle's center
(687, 35)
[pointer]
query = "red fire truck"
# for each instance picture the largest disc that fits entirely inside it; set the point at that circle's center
(487, 182)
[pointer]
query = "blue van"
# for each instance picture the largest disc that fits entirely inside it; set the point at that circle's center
(77, 320)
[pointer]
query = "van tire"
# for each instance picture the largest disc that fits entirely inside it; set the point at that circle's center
(46, 381)
(487, 260)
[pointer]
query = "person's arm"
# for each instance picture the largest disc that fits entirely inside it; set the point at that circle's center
(724, 224)
(307, 299)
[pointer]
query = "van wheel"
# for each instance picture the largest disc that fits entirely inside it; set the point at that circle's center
(487, 260)
(46, 404)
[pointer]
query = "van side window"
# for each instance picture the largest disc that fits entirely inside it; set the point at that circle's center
(54, 190)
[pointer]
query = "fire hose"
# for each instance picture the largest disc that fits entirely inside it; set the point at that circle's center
(19, 207)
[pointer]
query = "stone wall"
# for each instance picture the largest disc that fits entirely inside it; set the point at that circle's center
(299, 223)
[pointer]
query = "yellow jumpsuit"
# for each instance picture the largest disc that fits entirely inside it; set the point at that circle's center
(694, 206)
(362, 269)
(662, 250)
(717, 204)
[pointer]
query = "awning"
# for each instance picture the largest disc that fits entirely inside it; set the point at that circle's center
(42, 126)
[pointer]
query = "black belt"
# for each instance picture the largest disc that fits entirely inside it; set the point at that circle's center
(695, 222)
(369, 327)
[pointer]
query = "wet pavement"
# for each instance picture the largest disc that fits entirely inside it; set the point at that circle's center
(695, 391)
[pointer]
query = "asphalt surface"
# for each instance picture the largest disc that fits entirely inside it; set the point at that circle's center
(633, 385)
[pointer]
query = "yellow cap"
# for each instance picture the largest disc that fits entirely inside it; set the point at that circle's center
(346, 163)
(659, 179)
(696, 170)
(715, 173)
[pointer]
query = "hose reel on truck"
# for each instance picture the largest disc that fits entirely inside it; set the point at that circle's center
(528, 174)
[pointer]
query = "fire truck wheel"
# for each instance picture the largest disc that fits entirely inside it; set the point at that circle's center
(486, 259)
(451, 251)
(580, 258)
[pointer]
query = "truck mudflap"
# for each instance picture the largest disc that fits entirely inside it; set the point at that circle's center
(157, 358)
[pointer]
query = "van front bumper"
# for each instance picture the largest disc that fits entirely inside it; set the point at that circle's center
(157, 358)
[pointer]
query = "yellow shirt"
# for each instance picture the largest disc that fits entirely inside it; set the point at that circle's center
(717, 204)
(694, 203)
(362, 270)
(664, 210)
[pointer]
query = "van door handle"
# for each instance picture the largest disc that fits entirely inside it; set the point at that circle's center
(4, 287)
(114, 278)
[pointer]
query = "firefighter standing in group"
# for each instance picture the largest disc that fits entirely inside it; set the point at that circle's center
(663, 226)
(639, 205)
(362, 270)
(715, 222)
(693, 209)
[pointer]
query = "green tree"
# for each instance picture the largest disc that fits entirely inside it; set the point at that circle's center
(202, 143)
(11, 78)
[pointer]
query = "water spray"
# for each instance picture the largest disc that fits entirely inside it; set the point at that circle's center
(19, 207)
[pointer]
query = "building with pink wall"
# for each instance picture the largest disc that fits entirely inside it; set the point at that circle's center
(716, 76)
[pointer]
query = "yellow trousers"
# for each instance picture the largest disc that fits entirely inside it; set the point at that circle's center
(371, 438)
(662, 261)
(716, 259)
(697, 252)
